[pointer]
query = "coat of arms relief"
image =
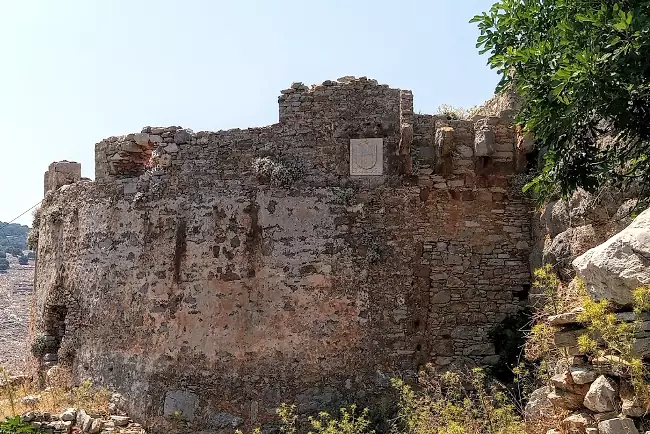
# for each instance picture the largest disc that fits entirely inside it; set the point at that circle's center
(367, 156)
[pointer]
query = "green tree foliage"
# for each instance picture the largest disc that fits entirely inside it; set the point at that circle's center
(4, 264)
(582, 68)
(14, 251)
(13, 425)
(13, 236)
(23, 260)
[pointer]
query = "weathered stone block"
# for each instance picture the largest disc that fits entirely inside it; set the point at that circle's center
(181, 402)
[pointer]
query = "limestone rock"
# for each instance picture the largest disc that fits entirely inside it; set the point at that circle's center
(583, 375)
(172, 148)
(27, 417)
(61, 426)
(556, 218)
(444, 141)
(96, 426)
(602, 395)
(84, 421)
(564, 318)
(568, 340)
(68, 414)
(599, 417)
(567, 400)
(577, 423)
(619, 265)
(117, 404)
(484, 141)
(632, 405)
(120, 420)
(564, 381)
(617, 426)
(568, 245)
(611, 365)
(538, 406)
(586, 207)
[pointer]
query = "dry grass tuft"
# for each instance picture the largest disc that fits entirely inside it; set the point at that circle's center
(53, 399)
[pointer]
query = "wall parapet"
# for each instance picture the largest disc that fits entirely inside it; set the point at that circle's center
(316, 127)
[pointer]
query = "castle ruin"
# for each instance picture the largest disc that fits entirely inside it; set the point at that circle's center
(219, 274)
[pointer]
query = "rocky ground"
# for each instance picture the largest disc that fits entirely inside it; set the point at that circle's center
(16, 286)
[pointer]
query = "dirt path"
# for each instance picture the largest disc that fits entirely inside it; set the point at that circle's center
(16, 288)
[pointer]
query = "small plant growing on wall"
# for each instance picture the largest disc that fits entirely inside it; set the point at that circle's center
(344, 196)
(456, 113)
(279, 173)
(607, 336)
(39, 346)
(416, 161)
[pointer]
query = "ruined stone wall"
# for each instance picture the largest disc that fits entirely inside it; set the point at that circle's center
(221, 273)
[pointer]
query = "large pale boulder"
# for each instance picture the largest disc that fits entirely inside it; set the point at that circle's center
(539, 406)
(619, 265)
(602, 395)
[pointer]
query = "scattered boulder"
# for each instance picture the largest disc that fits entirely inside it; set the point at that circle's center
(565, 318)
(617, 426)
(120, 420)
(564, 381)
(632, 405)
(556, 217)
(602, 395)
(583, 375)
(577, 423)
(69, 414)
(538, 406)
(568, 245)
(621, 264)
(96, 426)
(566, 400)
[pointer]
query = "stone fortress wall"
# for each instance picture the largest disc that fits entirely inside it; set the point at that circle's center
(221, 273)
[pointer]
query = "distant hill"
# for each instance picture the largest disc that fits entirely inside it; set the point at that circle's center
(13, 236)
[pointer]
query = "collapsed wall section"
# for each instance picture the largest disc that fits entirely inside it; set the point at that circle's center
(225, 272)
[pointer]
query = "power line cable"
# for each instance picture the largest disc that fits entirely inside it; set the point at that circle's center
(4, 225)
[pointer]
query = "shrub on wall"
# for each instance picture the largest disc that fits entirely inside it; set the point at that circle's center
(39, 346)
(279, 173)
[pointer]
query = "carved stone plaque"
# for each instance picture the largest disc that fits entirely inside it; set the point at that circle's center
(366, 156)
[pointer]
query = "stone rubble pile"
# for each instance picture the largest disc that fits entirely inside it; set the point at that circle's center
(77, 421)
(74, 420)
(598, 390)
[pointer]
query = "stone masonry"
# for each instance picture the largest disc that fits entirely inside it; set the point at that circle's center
(221, 273)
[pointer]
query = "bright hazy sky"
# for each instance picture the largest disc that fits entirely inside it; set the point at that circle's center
(75, 72)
